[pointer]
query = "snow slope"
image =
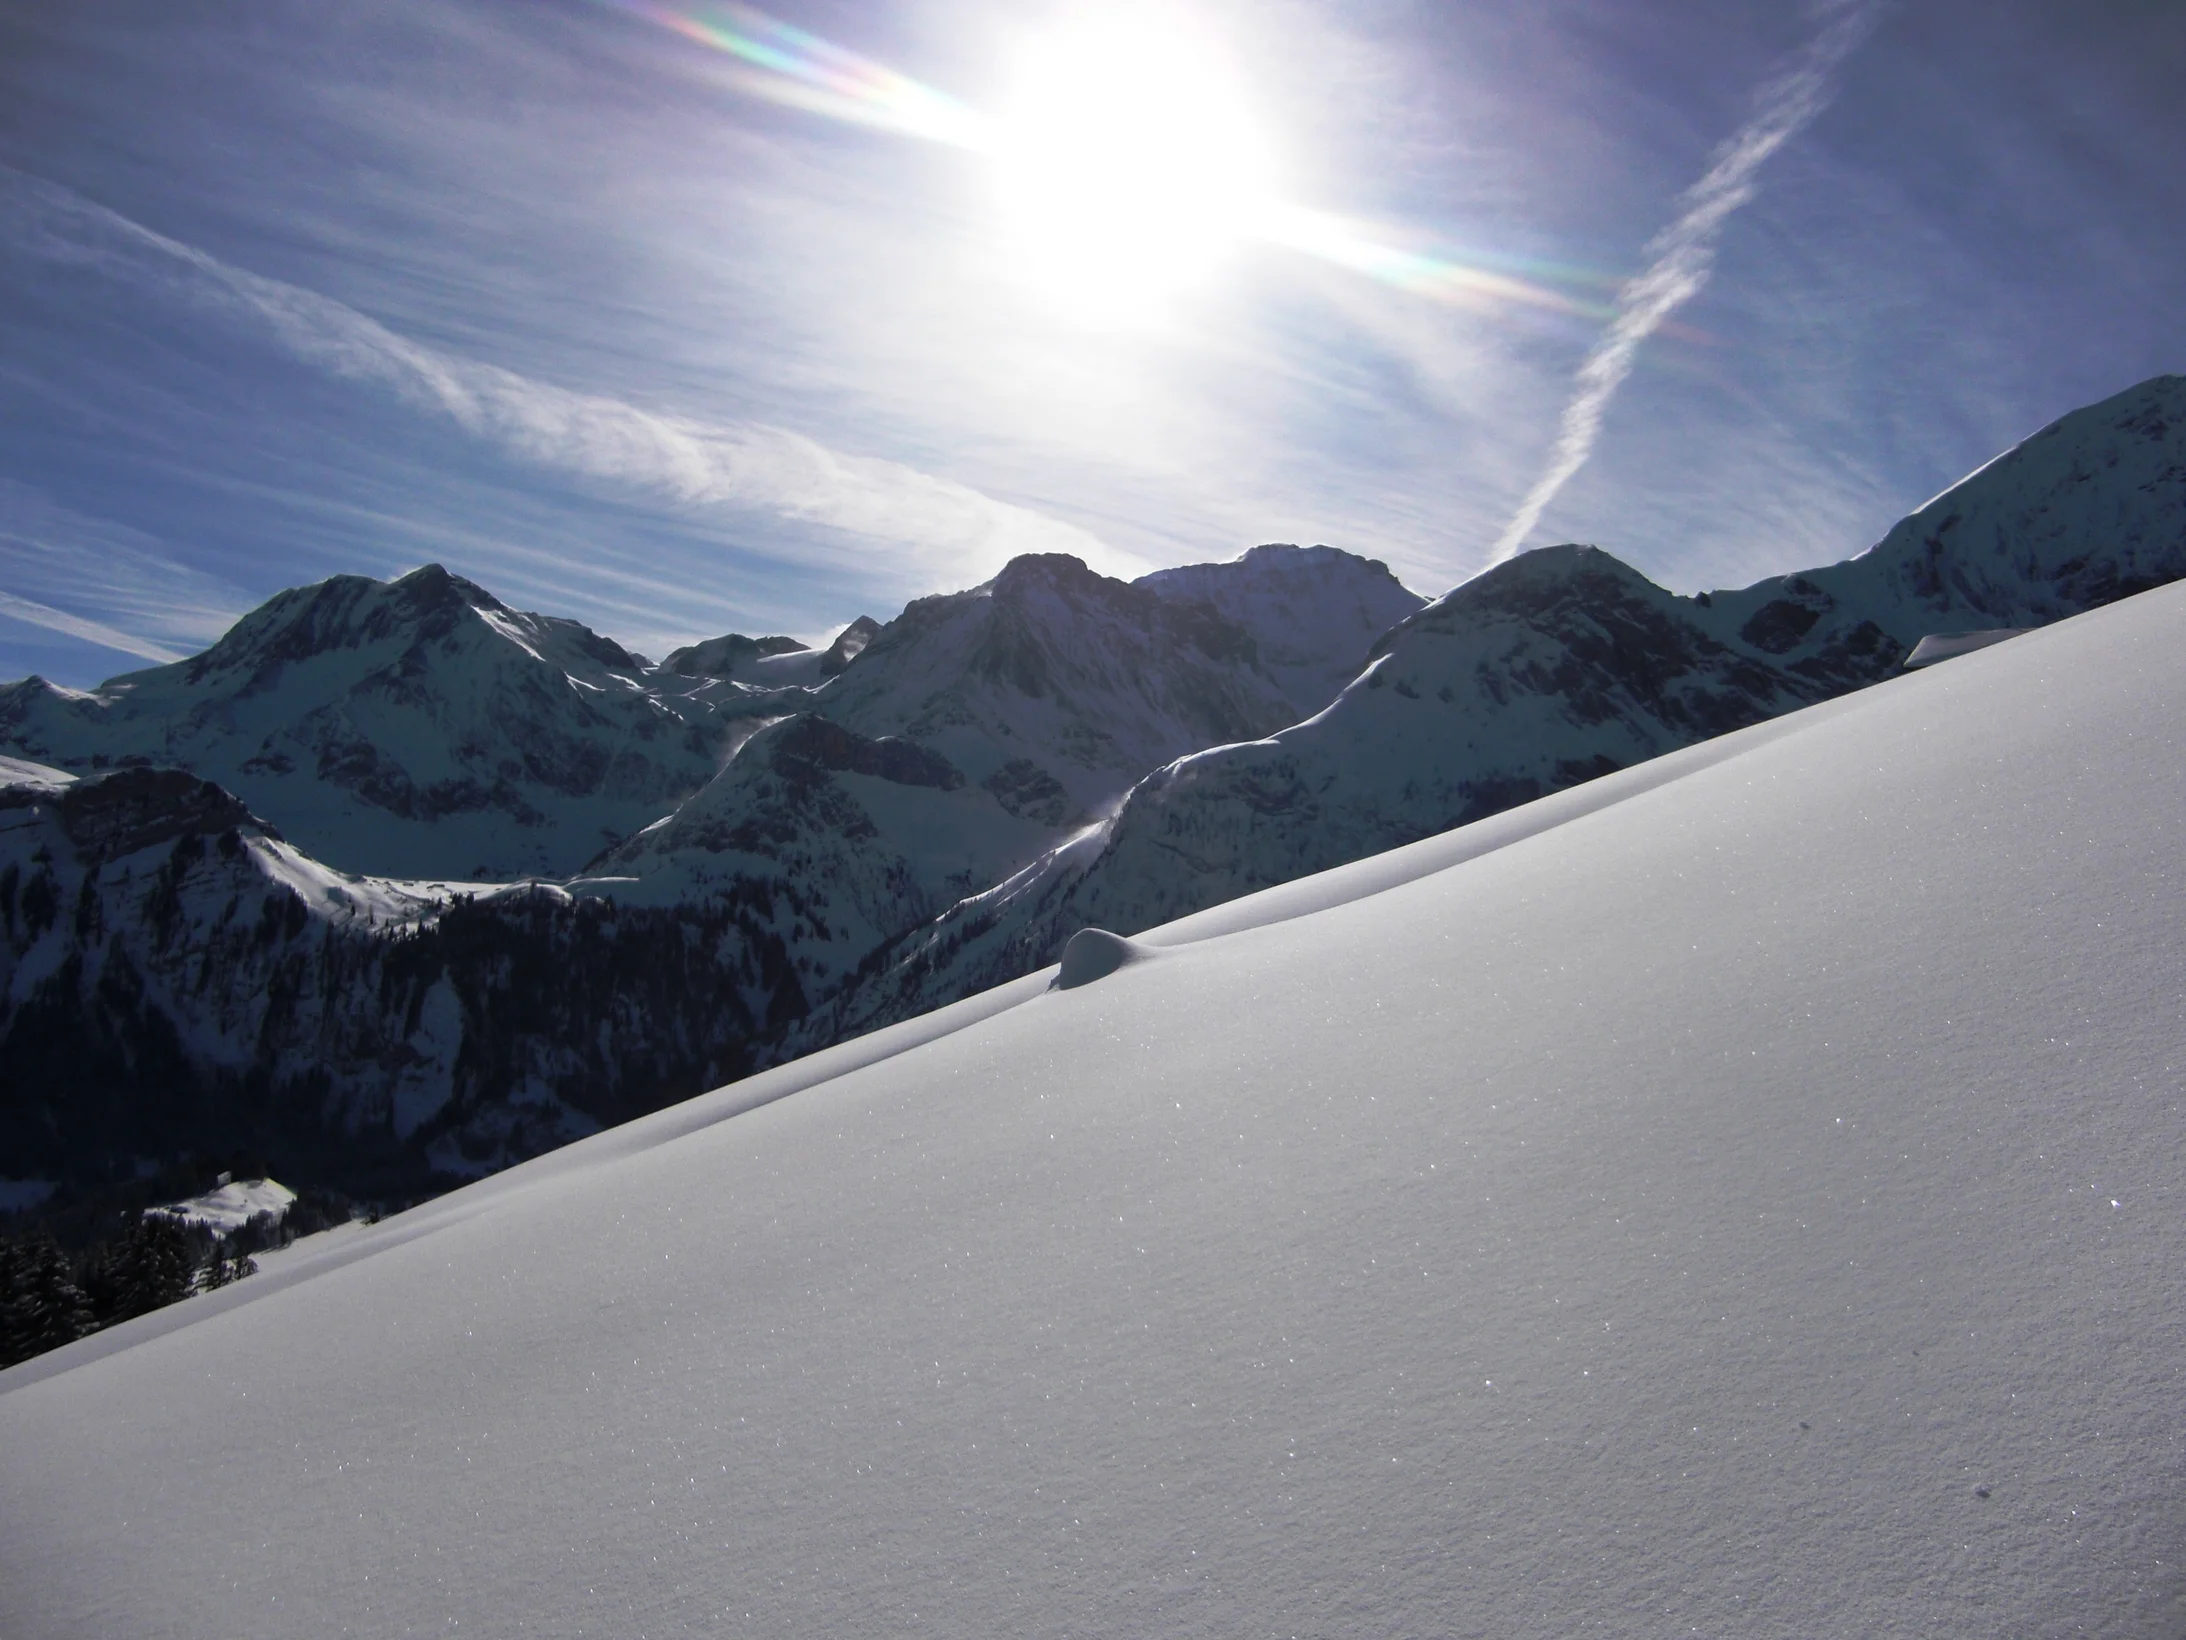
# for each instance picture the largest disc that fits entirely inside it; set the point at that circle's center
(1739, 1196)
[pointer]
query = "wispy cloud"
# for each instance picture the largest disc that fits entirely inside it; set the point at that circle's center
(103, 582)
(1683, 255)
(951, 528)
(75, 626)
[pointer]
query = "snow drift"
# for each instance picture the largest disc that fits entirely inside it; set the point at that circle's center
(1740, 1195)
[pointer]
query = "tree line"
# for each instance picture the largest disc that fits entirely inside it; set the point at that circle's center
(50, 1296)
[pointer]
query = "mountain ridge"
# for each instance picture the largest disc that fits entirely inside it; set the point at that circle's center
(977, 780)
(1560, 665)
(1746, 1198)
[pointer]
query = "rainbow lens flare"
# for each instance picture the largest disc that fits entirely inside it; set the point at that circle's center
(786, 64)
(1440, 278)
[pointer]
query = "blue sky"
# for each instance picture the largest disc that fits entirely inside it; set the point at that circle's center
(563, 298)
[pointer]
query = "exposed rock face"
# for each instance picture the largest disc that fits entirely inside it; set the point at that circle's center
(849, 644)
(134, 809)
(1563, 665)
(173, 978)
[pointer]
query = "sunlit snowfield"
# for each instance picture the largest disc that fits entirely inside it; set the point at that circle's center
(1740, 1196)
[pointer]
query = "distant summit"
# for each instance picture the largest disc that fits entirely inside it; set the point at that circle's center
(720, 657)
(1319, 610)
(416, 727)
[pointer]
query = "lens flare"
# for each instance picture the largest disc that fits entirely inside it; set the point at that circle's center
(785, 64)
(1128, 163)
(1439, 277)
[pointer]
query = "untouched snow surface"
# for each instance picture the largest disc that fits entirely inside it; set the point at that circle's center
(1741, 1196)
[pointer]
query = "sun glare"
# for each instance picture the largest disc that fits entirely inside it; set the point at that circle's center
(1129, 164)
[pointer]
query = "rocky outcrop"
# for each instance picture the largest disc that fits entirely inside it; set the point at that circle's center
(175, 979)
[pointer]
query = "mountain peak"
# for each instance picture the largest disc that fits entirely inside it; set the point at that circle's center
(432, 585)
(851, 642)
(721, 657)
(346, 612)
(1043, 569)
(1322, 608)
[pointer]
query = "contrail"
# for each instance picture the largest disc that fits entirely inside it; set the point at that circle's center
(1683, 254)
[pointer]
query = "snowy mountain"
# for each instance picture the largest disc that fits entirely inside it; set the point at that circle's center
(416, 728)
(1055, 689)
(772, 663)
(229, 974)
(1736, 1196)
(178, 980)
(422, 728)
(976, 731)
(879, 835)
(1564, 664)
(721, 657)
(1315, 611)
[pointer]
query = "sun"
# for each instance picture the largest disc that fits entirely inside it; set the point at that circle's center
(1129, 165)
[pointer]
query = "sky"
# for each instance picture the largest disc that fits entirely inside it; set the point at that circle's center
(684, 319)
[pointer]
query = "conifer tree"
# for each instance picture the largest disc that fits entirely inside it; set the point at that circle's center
(152, 1267)
(14, 1303)
(41, 1307)
(59, 1312)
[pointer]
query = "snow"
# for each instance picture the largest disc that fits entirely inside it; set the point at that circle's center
(1094, 953)
(305, 1249)
(414, 728)
(233, 1205)
(1943, 646)
(1316, 611)
(1737, 1197)
(1563, 662)
(342, 896)
(797, 668)
(16, 771)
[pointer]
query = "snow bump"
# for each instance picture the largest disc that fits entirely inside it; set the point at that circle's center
(1094, 953)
